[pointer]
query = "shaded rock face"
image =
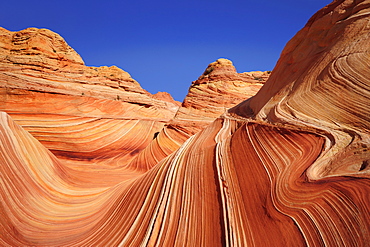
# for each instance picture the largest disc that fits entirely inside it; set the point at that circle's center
(291, 161)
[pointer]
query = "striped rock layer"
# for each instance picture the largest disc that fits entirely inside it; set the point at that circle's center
(94, 115)
(219, 88)
(287, 167)
(79, 113)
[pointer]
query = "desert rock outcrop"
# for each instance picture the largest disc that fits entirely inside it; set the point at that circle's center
(219, 88)
(287, 167)
(93, 113)
(77, 112)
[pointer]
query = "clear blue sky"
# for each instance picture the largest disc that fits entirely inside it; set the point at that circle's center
(164, 44)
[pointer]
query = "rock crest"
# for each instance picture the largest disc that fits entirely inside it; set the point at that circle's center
(291, 161)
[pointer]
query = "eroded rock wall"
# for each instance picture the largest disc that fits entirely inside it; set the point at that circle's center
(287, 167)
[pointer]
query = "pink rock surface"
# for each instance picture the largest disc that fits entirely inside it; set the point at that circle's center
(287, 167)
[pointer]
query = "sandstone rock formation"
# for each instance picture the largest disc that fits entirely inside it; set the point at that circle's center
(77, 112)
(219, 88)
(98, 110)
(287, 167)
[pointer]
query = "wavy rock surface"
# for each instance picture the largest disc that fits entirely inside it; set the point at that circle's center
(287, 167)
(81, 113)
(321, 82)
(93, 113)
(219, 88)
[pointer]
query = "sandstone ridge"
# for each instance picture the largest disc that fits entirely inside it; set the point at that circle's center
(291, 161)
(43, 78)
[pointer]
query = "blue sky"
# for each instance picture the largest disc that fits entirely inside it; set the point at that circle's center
(163, 44)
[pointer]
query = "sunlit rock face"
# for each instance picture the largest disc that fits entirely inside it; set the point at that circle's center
(96, 114)
(321, 83)
(81, 113)
(219, 88)
(287, 167)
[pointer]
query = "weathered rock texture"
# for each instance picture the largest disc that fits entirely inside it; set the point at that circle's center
(77, 112)
(94, 113)
(219, 88)
(287, 167)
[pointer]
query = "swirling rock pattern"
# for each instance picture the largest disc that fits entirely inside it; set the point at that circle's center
(93, 113)
(321, 82)
(79, 113)
(219, 88)
(287, 167)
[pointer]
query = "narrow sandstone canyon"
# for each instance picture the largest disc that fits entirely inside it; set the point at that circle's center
(89, 158)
